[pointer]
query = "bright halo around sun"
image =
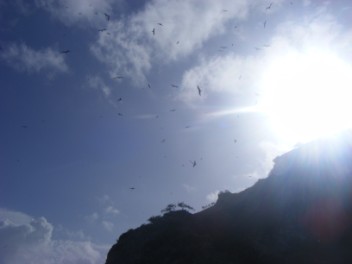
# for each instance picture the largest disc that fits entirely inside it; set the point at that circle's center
(308, 96)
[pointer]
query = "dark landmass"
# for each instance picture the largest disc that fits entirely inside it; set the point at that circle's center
(301, 213)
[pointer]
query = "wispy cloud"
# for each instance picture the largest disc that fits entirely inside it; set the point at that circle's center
(78, 12)
(212, 197)
(165, 31)
(189, 188)
(111, 210)
(23, 58)
(227, 74)
(97, 83)
(108, 226)
(232, 74)
(105, 214)
(32, 242)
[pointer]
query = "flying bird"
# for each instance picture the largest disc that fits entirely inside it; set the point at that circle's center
(132, 188)
(163, 140)
(173, 110)
(194, 163)
(118, 77)
(119, 114)
(65, 51)
(160, 24)
(153, 31)
(24, 126)
(120, 99)
(178, 42)
(174, 85)
(102, 29)
(107, 16)
(149, 86)
(199, 90)
(269, 6)
(235, 140)
(264, 23)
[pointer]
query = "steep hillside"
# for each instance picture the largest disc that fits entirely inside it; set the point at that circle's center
(301, 213)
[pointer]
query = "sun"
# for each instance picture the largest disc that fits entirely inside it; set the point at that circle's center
(307, 95)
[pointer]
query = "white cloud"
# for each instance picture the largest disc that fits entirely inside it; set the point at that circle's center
(240, 74)
(111, 210)
(97, 83)
(227, 74)
(24, 58)
(130, 48)
(78, 11)
(32, 242)
(212, 197)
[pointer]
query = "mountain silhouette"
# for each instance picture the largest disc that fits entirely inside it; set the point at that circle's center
(300, 213)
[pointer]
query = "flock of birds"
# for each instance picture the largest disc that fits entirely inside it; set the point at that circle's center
(120, 77)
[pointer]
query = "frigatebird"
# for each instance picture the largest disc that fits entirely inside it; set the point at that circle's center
(199, 90)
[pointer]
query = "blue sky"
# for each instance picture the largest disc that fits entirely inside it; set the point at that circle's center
(121, 109)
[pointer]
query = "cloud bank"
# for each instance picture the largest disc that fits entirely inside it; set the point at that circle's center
(24, 239)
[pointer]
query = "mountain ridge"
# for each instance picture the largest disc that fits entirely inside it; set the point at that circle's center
(300, 213)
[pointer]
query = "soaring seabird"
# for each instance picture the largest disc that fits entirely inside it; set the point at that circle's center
(199, 90)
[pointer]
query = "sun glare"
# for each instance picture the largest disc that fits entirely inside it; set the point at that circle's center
(308, 95)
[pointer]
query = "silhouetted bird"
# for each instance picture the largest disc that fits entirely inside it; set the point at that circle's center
(118, 77)
(102, 29)
(178, 42)
(160, 24)
(132, 188)
(269, 6)
(107, 16)
(24, 126)
(163, 140)
(194, 163)
(153, 31)
(120, 99)
(173, 110)
(199, 90)
(174, 85)
(264, 23)
(235, 140)
(149, 86)
(119, 114)
(65, 51)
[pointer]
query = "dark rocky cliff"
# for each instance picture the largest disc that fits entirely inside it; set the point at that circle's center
(301, 213)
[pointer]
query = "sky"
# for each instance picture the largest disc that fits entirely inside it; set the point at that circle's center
(112, 109)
